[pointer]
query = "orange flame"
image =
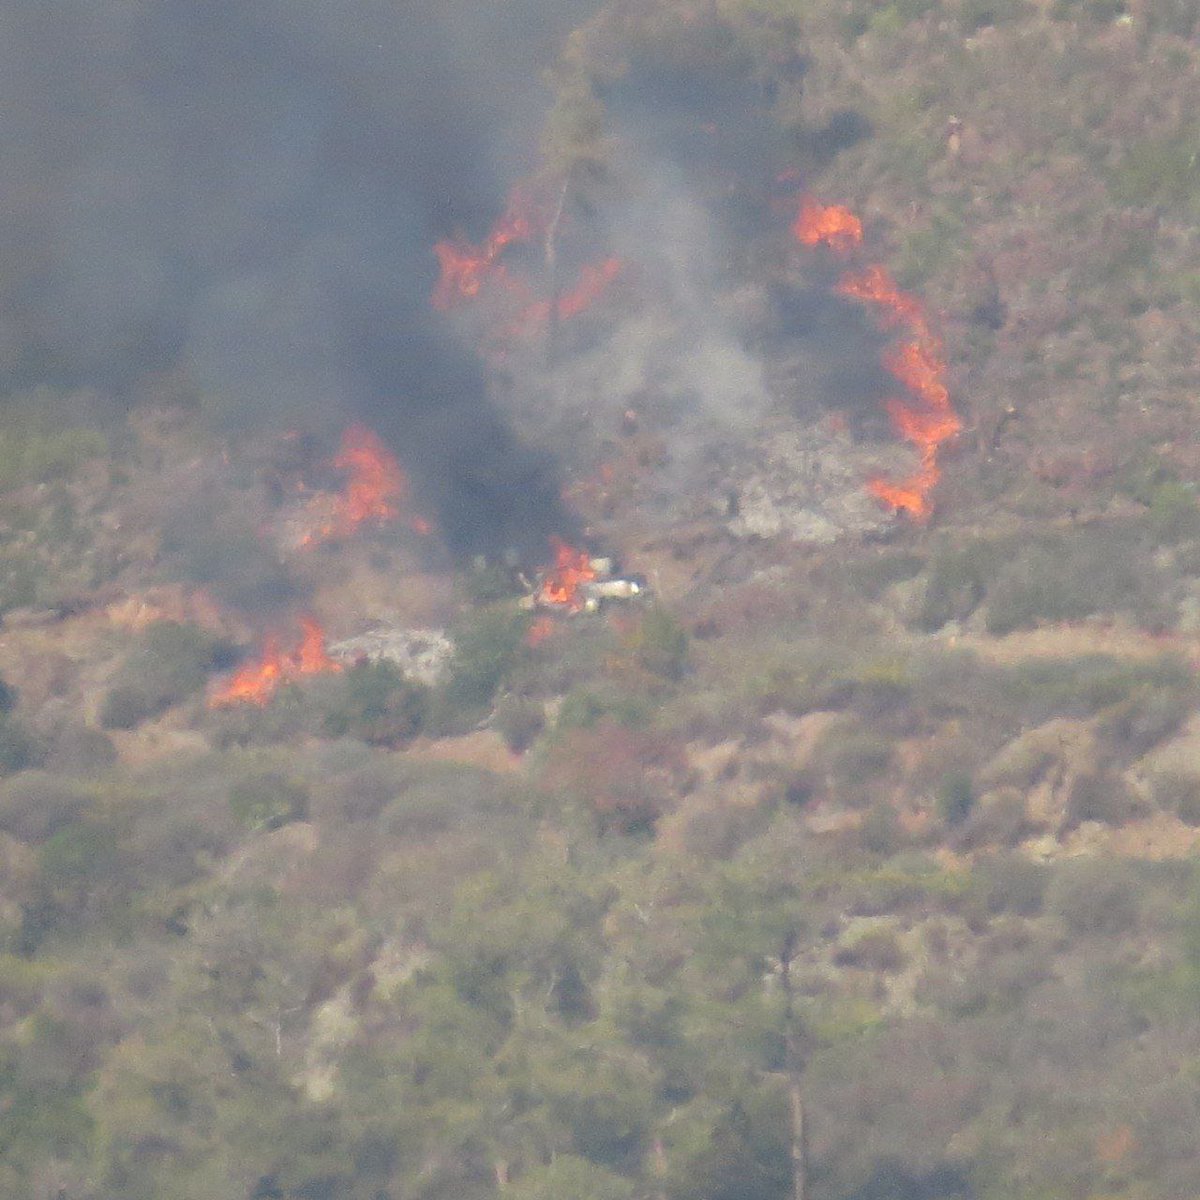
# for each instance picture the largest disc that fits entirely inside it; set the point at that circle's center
(927, 419)
(830, 225)
(466, 267)
(257, 681)
(594, 281)
(376, 484)
(563, 585)
(875, 285)
(376, 487)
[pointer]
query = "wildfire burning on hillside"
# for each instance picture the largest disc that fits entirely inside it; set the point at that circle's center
(375, 490)
(257, 681)
(466, 269)
(925, 419)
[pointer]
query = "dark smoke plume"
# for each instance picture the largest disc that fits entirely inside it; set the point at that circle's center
(251, 191)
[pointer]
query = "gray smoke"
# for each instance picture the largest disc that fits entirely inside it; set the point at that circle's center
(251, 191)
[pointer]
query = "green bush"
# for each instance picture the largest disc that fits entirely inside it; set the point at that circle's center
(377, 703)
(955, 798)
(267, 800)
(956, 585)
(974, 15)
(997, 820)
(485, 650)
(168, 663)
(583, 707)
(875, 950)
(569, 1177)
(1174, 514)
(1010, 883)
(38, 443)
(1157, 171)
(1177, 793)
(519, 721)
(1094, 896)
(35, 805)
(660, 644)
(1100, 796)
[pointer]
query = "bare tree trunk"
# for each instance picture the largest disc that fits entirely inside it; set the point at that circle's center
(550, 249)
(795, 1067)
(660, 1166)
(799, 1143)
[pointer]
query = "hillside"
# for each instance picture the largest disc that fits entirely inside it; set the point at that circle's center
(839, 355)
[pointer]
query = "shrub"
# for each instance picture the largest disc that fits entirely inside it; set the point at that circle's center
(24, 577)
(1099, 796)
(125, 708)
(519, 721)
(974, 15)
(1065, 578)
(853, 758)
(875, 950)
(569, 1177)
(626, 776)
(34, 805)
(82, 867)
(880, 832)
(659, 644)
(267, 800)
(998, 819)
(955, 798)
(1094, 896)
(167, 664)
(1177, 793)
(1010, 883)
(210, 543)
(956, 585)
(18, 747)
(1174, 514)
(487, 582)
(485, 650)
(77, 750)
(582, 708)
(38, 442)
(375, 702)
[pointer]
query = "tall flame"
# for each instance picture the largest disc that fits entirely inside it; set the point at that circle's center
(562, 586)
(925, 419)
(375, 488)
(376, 484)
(257, 681)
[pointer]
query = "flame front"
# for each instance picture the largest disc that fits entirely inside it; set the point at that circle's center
(563, 585)
(831, 225)
(925, 419)
(257, 681)
(875, 285)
